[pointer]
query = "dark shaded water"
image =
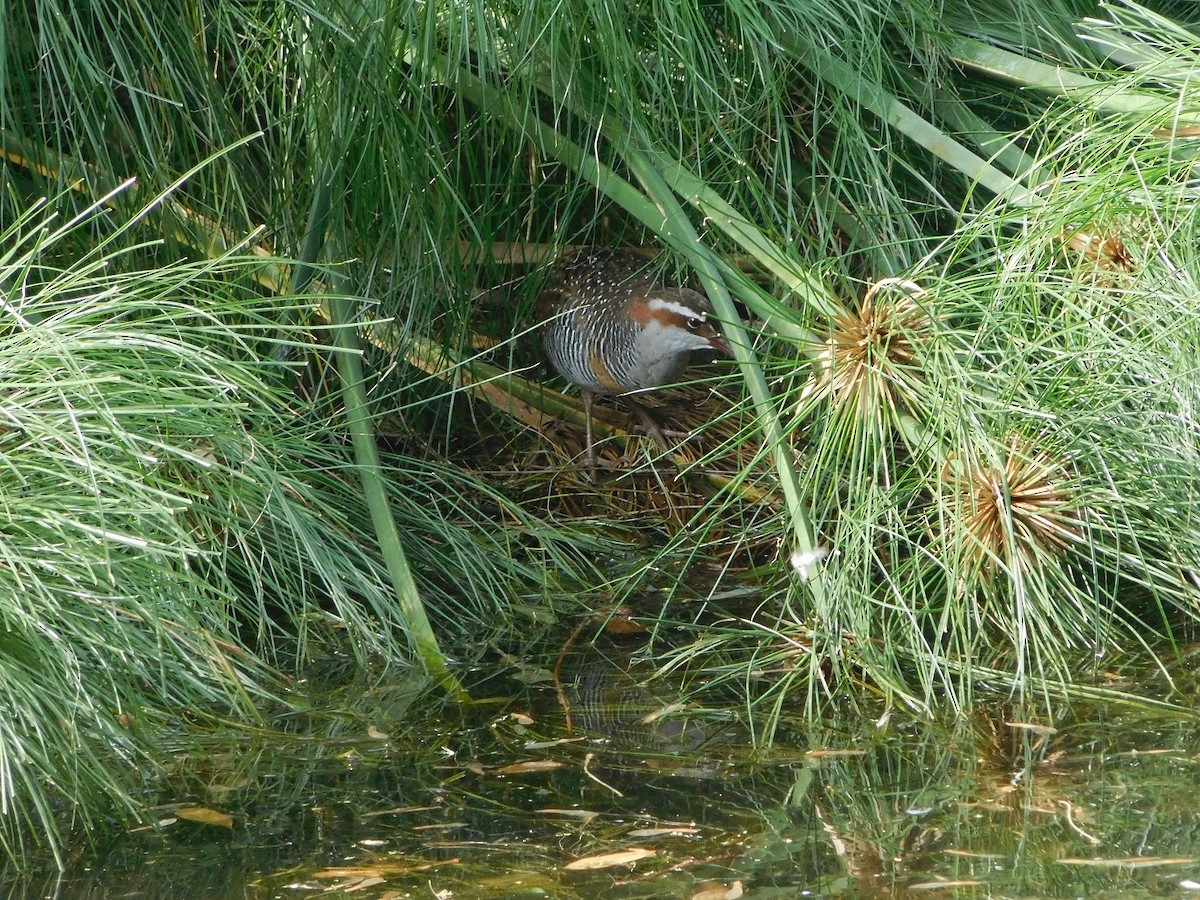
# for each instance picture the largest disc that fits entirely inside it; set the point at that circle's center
(638, 801)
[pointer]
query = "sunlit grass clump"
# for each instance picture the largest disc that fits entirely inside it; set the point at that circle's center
(1009, 484)
(868, 368)
(180, 533)
(1010, 512)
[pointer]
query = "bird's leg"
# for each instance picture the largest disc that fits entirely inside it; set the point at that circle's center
(590, 458)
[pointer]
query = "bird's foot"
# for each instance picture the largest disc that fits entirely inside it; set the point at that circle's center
(593, 463)
(666, 438)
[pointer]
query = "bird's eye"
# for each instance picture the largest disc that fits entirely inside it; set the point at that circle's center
(693, 323)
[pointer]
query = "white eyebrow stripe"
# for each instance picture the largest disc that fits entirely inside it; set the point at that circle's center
(657, 303)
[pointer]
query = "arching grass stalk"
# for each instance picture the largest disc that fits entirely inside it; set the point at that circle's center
(880, 331)
(898, 115)
(716, 209)
(500, 106)
(370, 471)
(1002, 149)
(1103, 96)
(680, 234)
(366, 452)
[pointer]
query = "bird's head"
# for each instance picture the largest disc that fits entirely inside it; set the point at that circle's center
(681, 319)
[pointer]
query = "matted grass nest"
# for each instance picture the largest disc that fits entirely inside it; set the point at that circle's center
(709, 481)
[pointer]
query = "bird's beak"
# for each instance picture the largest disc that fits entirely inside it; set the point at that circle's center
(718, 343)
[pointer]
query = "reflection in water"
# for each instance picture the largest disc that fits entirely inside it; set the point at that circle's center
(650, 797)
